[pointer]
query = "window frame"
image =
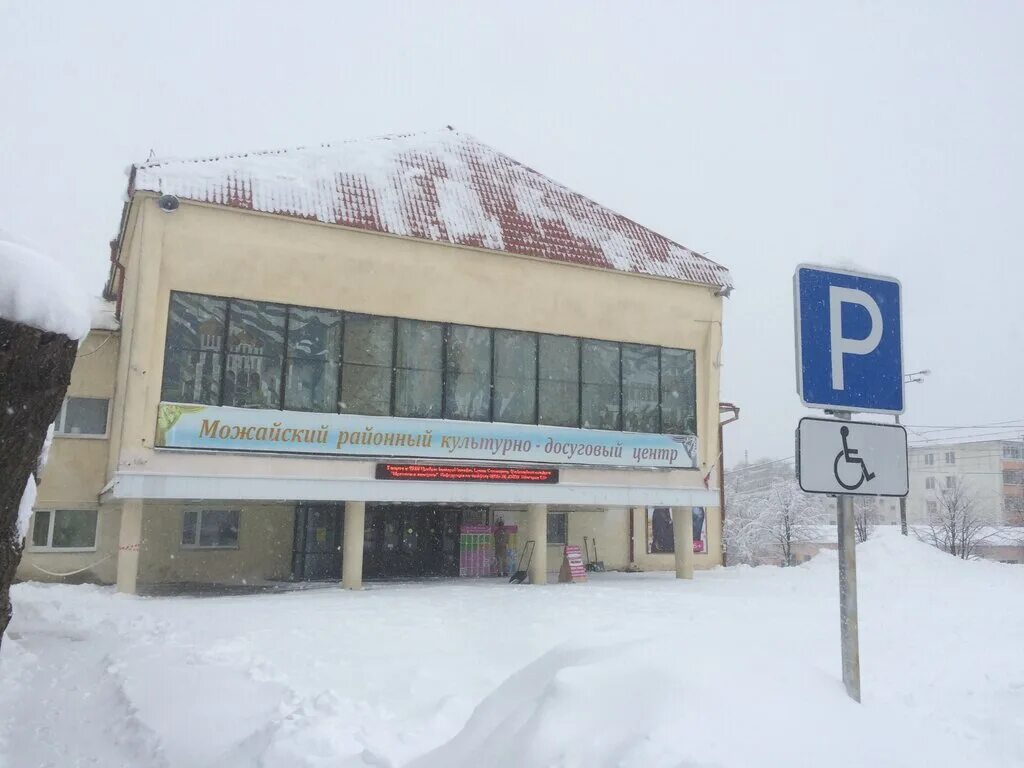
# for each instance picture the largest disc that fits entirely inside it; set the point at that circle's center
(200, 511)
(445, 326)
(565, 528)
(579, 379)
(287, 357)
(48, 547)
(62, 415)
(446, 331)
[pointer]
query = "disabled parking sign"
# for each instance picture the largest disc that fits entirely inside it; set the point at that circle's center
(851, 457)
(849, 347)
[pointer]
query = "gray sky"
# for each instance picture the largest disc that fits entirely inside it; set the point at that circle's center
(886, 136)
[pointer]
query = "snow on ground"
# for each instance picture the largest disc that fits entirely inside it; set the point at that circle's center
(738, 668)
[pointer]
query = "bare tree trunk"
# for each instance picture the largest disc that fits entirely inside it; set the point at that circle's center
(35, 368)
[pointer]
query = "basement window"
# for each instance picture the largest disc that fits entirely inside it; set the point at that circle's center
(66, 530)
(210, 529)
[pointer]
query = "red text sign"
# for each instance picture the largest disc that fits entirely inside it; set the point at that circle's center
(466, 474)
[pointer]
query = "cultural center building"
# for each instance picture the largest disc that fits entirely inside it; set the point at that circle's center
(351, 361)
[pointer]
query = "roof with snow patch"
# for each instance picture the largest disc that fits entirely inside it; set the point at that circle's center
(441, 186)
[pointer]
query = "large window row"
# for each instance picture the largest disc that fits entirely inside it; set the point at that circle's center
(255, 354)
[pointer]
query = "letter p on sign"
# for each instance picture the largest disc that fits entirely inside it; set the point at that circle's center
(840, 344)
(848, 340)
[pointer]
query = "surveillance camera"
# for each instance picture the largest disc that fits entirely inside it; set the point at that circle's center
(168, 203)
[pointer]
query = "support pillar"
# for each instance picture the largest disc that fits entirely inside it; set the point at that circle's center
(682, 534)
(537, 529)
(129, 544)
(352, 549)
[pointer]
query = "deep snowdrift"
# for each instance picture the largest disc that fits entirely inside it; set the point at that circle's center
(738, 668)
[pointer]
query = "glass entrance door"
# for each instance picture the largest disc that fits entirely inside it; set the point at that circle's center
(410, 541)
(316, 554)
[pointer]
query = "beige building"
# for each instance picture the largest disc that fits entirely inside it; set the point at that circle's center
(352, 360)
(990, 471)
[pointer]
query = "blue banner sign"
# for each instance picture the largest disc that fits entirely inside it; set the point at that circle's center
(209, 427)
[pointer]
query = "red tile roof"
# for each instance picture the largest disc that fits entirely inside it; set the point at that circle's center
(442, 186)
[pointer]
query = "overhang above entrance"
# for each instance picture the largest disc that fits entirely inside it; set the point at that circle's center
(142, 485)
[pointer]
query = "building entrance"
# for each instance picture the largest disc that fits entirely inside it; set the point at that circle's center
(316, 554)
(411, 541)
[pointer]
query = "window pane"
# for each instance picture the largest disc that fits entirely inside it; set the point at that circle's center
(218, 528)
(678, 392)
(189, 527)
(600, 385)
(195, 343)
(251, 381)
(559, 381)
(468, 375)
(366, 390)
(311, 385)
(314, 334)
(639, 388)
(418, 371)
(256, 328)
(252, 378)
(85, 416)
(74, 528)
(196, 322)
(368, 340)
(366, 377)
(41, 529)
(558, 525)
(515, 377)
(191, 377)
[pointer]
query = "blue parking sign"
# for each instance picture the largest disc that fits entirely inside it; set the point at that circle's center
(849, 347)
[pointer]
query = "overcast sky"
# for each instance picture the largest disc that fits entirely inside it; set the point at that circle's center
(885, 136)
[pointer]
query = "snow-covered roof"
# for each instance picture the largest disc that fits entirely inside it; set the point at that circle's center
(443, 186)
(36, 290)
(104, 315)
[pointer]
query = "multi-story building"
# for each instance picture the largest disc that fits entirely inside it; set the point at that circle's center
(990, 471)
(353, 359)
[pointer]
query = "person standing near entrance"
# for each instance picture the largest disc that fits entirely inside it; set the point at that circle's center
(501, 547)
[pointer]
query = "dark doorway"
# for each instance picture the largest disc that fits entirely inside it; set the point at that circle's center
(316, 555)
(411, 540)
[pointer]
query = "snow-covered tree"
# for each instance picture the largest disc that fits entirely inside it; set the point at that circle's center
(768, 515)
(955, 523)
(42, 313)
(865, 516)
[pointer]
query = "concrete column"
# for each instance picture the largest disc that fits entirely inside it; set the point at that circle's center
(129, 544)
(682, 533)
(352, 554)
(537, 529)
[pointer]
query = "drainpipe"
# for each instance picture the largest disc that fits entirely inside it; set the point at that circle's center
(735, 414)
(629, 533)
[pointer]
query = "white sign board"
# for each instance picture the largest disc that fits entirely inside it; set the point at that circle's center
(851, 457)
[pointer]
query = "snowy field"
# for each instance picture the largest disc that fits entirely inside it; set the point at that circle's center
(737, 669)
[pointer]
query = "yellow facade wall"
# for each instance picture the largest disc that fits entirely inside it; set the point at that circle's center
(76, 472)
(263, 554)
(221, 251)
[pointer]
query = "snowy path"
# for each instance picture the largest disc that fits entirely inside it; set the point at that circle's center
(739, 668)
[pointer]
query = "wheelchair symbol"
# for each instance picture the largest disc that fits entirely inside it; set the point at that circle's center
(848, 457)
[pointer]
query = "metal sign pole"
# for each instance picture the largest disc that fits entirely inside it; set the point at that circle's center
(848, 589)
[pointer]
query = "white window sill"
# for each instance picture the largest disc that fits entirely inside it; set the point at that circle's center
(80, 436)
(59, 550)
(186, 548)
